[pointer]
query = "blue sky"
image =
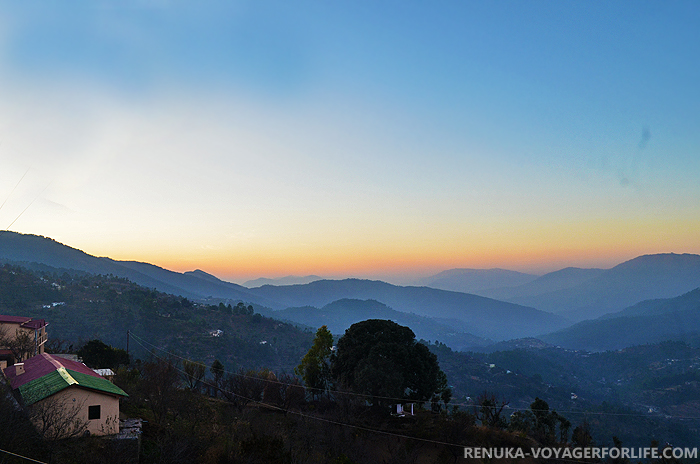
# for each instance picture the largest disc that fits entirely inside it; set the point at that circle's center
(375, 139)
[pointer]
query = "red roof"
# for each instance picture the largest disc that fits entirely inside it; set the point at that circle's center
(35, 324)
(27, 322)
(15, 319)
(42, 364)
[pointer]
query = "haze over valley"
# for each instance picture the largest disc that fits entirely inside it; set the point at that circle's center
(555, 301)
(285, 225)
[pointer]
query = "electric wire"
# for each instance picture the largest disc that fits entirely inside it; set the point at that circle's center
(27, 207)
(23, 457)
(15, 187)
(321, 419)
(404, 400)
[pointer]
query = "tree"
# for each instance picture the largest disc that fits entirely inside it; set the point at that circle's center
(194, 374)
(159, 385)
(315, 365)
(545, 423)
(581, 436)
(21, 344)
(217, 369)
(58, 417)
(489, 410)
(98, 355)
(18, 433)
(382, 359)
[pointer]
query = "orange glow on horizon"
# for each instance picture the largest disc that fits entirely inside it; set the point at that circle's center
(531, 248)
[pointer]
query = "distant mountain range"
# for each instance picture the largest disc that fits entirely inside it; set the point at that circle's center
(580, 294)
(33, 250)
(650, 321)
(480, 316)
(341, 314)
(288, 280)
(477, 281)
(466, 313)
(530, 306)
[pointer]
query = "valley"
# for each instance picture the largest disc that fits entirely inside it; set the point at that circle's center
(632, 373)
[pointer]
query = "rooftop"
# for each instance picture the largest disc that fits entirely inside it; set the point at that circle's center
(45, 375)
(23, 321)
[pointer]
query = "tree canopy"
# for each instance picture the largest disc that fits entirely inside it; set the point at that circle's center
(98, 355)
(315, 365)
(383, 359)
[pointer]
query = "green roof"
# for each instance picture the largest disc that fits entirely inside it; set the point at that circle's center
(62, 378)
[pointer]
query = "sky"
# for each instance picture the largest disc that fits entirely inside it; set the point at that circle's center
(369, 139)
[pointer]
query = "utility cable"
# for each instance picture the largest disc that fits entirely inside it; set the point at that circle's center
(321, 419)
(404, 400)
(23, 457)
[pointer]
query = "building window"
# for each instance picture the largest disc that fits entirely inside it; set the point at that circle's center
(93, 412)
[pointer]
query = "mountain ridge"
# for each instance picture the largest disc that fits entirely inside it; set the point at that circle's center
(475, 281)
(650, 321)
(480, 316)
(341, 314)
(473, 314)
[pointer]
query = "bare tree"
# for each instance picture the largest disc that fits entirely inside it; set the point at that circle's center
(194, 374)
(159, 385)
(243, 387)
(58, 417)
(21, 344)
(489, 409)
(18, 433)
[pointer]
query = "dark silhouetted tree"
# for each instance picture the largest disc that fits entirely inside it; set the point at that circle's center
(382, 359)
(193, 374)
(97, 354)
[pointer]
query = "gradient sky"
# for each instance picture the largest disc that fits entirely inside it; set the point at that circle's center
(353, 138)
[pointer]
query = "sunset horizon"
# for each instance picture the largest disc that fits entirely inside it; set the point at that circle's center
(255, 140)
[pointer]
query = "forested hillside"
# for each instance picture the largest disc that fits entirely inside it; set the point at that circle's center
(634, 394)
(80, 307)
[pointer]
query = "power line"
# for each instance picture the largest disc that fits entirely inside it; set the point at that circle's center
(307, 416)
(404, 400)
(321, 419)
(30, 204)
(23, 457)
(15, 187)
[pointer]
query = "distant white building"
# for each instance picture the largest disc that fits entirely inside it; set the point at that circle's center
(404, 409)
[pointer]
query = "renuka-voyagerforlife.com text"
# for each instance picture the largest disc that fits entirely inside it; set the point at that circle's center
(580, 453)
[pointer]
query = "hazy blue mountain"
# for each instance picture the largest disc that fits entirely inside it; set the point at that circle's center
(288, 280)
(687, 301)
(643, 278)
(554, 281)
(23, 248)
(529, 343)
(341, 314)
(476, 280)
(646, 322)
(477, 315)
(480, 316)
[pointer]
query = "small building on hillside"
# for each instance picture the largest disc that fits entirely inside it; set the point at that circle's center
(65, 396)
(20, 338)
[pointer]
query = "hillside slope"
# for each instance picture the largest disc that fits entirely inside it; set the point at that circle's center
(341, 314)
(24, 248)
(642, 278)
(647, 322)
(473, 314)
(477, 281)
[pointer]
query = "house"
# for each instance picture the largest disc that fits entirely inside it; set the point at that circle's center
(20, 338)
(105, 373)
(65, 396)
(404, 409)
